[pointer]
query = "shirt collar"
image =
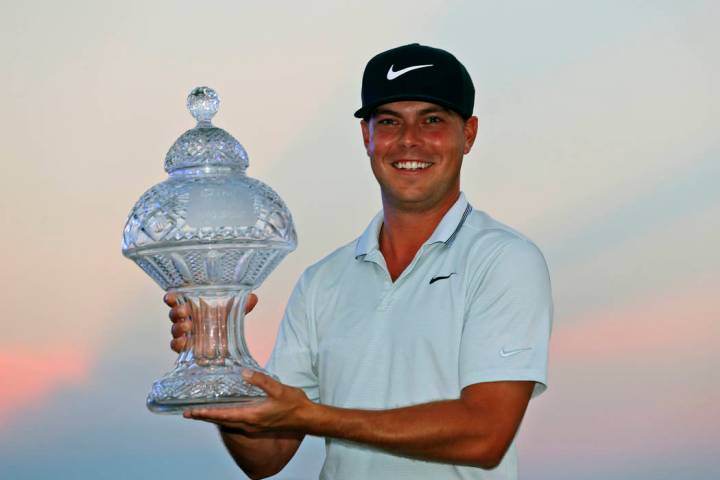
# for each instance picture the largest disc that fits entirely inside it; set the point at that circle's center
(445, 232)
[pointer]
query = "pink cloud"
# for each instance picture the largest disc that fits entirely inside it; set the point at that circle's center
(583, 423)
(29, 375)
(632, 382)
(655, 329)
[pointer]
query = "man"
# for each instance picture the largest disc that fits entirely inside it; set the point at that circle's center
(415, 349)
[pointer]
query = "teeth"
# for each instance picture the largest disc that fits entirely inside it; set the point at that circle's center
(411, 165)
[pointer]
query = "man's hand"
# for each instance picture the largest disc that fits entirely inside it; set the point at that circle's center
(285, 409)
(182, 322)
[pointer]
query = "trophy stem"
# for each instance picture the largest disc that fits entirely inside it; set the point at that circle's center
(208, 370)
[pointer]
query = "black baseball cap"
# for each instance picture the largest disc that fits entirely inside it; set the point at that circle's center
(417, 72)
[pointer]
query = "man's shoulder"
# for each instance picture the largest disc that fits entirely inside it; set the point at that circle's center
(482, 227)
(486, 238)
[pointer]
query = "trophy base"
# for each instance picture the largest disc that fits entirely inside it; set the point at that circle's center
(177, 407)
(191, 387)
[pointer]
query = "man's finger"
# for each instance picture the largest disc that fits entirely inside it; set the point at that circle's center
(180, 329)
(196, 415)
(250, 303)
(170, 299)
(223, 417)
(265, 383)
(214, 414)
(179, 312)
(178, 344)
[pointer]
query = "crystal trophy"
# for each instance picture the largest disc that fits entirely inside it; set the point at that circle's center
(210, 234)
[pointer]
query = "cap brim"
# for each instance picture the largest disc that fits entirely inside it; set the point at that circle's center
(366, 110)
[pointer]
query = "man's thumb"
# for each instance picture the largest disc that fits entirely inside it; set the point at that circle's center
(264, 382)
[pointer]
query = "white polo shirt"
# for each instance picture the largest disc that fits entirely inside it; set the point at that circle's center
(473, 306)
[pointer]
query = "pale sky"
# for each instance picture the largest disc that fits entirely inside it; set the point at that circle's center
(598, 140)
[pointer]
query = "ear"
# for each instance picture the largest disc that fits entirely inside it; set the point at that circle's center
(365, 127)
(470, 131)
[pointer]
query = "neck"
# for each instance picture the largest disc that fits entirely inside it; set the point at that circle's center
(404, 231)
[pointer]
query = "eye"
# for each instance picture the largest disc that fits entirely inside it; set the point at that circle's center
(386, 121)
(433, 119)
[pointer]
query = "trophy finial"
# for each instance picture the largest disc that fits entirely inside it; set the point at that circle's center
(203, 103)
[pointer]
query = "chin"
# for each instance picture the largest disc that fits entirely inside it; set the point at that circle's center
(409, 201)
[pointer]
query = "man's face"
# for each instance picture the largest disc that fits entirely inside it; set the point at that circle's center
(416, 150)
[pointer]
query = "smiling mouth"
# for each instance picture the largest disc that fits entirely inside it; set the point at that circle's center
(411, 165)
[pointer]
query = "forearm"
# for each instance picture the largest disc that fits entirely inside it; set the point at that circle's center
(260, 455)
(445, 431)
(475, 429)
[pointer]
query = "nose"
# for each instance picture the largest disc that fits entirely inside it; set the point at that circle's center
(410, 135)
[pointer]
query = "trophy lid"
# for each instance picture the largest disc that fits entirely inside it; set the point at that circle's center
(205, 145)
(208, 223)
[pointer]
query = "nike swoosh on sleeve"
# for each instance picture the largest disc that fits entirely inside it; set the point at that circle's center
(507, 353)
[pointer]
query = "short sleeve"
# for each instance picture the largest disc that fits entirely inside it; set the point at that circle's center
(292, 356)
(508, 319)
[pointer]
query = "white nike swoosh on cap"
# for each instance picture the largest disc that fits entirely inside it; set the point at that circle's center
(393, 75)
(507, 353)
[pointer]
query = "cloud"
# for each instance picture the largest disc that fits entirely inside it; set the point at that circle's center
(630, 384)
(30, 374)
(668, 327)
